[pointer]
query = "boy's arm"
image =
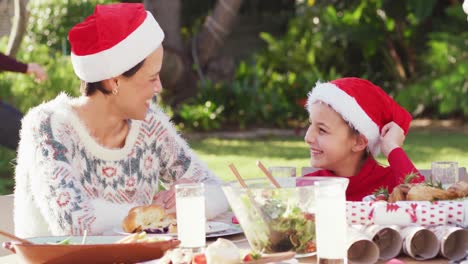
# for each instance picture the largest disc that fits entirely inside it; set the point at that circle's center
(401, 165)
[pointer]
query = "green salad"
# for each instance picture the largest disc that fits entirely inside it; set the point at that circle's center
(278, 226)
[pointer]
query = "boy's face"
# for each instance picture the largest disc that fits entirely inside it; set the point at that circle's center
(329, 138)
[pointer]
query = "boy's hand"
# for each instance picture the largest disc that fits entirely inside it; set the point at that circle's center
(391, 137)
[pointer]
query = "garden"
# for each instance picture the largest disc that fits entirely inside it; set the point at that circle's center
(415, 50)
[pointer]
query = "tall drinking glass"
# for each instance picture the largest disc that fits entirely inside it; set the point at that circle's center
(445, 172)
(284, 175)
(330, 221)
(191, 220)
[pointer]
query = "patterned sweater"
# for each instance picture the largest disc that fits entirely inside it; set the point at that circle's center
(67, 183)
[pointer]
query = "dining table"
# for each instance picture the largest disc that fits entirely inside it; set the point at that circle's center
(242, 243)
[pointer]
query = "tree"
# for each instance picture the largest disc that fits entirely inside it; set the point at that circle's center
(177, 74)
(18, 28)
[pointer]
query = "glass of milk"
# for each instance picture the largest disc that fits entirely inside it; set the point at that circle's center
(191, 220)
(330, 221)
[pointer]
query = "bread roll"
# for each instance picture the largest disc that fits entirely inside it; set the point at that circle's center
(460, 189)
(148, 217)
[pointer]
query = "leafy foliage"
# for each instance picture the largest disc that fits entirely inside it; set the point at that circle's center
(50, 21)
(203, 117)
(23, 92)
(415, 50)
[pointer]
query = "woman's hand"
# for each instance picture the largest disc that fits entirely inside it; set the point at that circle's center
(167, 199)
(391, 137)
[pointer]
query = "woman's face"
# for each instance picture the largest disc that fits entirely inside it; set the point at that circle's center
(329, 138)
(135, 92)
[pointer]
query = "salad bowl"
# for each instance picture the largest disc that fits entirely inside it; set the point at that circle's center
(277, 219)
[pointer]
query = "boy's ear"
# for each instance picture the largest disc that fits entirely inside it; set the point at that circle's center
(360, 143)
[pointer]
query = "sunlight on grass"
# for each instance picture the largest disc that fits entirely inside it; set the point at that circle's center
(422, 147)
(218, 153)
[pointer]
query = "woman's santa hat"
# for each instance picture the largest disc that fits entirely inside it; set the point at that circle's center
(112, 40)
(363, 105)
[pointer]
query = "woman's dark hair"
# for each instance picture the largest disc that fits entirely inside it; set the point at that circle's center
(92, 87)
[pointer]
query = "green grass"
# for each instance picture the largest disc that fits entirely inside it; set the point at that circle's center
(423, 147)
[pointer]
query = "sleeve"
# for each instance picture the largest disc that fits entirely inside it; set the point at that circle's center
(56, 186)
(178, 161)
(10, 64)
(401, 166)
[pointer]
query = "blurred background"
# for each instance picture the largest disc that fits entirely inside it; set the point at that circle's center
(234, 66)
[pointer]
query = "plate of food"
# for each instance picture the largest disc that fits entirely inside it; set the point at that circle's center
(153, 220)
(213, 229)
(426, 191)
(92, 249)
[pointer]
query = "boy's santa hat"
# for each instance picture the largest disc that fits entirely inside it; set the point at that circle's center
(363, 105)
(112, 40)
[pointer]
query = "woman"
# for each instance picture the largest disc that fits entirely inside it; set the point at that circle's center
(84, 162)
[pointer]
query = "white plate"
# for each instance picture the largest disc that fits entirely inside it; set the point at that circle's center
(305, 255)
(232, 230)
(213, 229)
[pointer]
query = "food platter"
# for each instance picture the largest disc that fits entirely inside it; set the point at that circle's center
(213, 229)
(97, 249)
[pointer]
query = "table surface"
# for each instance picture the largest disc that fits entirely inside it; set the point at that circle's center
(243, 245)
(12, 259)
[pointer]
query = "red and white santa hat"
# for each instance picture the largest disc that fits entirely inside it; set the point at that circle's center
(112, 40)
(362, 104)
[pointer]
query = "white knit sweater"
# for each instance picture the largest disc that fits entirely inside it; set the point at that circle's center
(67, 183)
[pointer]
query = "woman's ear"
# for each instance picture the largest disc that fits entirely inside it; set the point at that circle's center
(360, 143)
(111, 84)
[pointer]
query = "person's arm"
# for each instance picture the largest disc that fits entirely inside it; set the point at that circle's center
(178, 164)
(392, 138)
(56, 185)
(10, 64)
(402, 166)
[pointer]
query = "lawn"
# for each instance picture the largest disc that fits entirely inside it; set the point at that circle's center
(423, 147)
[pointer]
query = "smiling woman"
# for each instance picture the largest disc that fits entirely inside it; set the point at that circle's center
(84, 162)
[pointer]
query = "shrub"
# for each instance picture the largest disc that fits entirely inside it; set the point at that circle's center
(50, 21)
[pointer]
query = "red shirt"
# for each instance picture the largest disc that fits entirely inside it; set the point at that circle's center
(10, 64)
(373, 176)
